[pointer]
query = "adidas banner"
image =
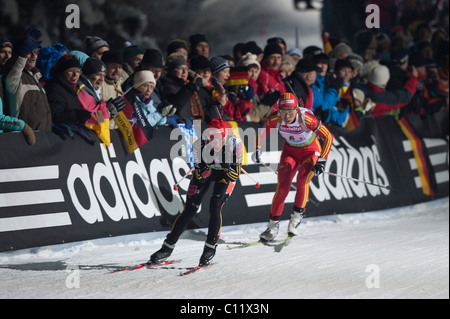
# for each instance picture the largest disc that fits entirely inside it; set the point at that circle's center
(60, 191)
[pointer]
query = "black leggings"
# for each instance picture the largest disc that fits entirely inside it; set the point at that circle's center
(223, 188)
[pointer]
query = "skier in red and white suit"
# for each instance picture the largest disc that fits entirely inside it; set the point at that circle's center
(301, 153)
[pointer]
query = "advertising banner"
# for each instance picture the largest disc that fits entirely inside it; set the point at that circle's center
(59, 191)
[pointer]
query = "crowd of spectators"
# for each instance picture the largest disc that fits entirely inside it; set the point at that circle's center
(396, 72)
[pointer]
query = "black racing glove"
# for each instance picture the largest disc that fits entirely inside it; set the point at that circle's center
(319, 168)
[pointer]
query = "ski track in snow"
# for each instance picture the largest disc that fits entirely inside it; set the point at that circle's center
(328, 259)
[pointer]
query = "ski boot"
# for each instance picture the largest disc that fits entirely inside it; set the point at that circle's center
(294, 223)
(162, 254)
(271, 232)
(209, 251)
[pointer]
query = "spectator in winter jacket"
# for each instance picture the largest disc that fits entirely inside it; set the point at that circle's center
(26, 96)
(6, 49)
(428, 98)
(301, 80)
(233, 106)
(260, 112)
(89, 94)
(179, 91)
(326, 93)
(143, 84)
(112, 85)
(388, 101)
(202, 66)
(62, 92)
(270, 84)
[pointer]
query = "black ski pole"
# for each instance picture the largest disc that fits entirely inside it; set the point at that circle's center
(356, 180)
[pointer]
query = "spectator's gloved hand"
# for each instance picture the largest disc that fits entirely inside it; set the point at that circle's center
(271, 98)
(319, 168)
(172, 121)
(187, 123)
(198, 84)
(62, 130)
(249, 92)
(31, 41)
(116, 105)
(29, 134)
(335, 83)
(167, 109)
(85, 133)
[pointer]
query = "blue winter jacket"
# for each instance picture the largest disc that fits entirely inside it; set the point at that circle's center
(328, 98)
(151, 113)
(8, 123)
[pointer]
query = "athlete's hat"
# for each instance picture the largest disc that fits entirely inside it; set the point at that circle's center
(287, 101)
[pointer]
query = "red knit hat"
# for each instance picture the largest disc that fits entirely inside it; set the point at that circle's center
(287, 101)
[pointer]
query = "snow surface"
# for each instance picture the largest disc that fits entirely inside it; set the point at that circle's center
(397, 253)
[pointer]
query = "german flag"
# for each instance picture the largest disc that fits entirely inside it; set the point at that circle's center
(419, 156)
(237, 78)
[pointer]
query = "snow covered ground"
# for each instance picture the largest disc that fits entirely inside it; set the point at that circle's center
(398, 253)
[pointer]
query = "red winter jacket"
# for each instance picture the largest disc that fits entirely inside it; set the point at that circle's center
(269, 80)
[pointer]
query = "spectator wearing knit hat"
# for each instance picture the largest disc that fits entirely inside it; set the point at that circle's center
(389, 101)
(95, 46)
(199, 45)
(202, 66)
(132, 57)
(326, 93)
(357, 63)
(26, 96)
(6, 49)
(260, 112)
(280, 41)
(234, 106)
(62, 92)
(270, 84)
(89, 95)
(220, 69)
(143, 85)
(178, 45)
(179, 91)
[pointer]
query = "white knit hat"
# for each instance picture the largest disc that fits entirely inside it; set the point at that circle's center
(142, 77)
(379, 76)
(249, 59)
